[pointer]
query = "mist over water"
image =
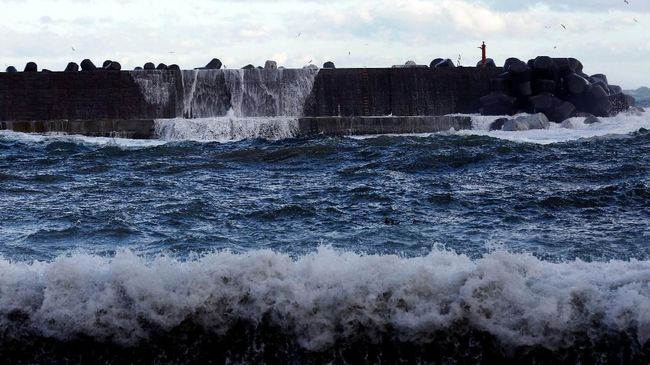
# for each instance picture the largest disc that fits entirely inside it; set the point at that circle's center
(532, 244)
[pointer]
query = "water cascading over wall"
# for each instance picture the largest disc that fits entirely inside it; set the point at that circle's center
(249, 93)
(237, 104)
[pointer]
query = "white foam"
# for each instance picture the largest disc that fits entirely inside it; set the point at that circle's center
(94, 141)
(226, 129)
(574, 129)
(328, 295)
(621, 124)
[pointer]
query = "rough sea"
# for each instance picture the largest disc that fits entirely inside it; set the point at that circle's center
(231, 242)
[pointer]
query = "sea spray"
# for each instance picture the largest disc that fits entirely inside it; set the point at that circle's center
(226, 129)
(328, 297)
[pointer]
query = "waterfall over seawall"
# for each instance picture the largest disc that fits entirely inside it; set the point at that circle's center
(230, 105)
(249, 93)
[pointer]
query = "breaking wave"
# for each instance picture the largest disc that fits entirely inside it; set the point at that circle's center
(327, 299)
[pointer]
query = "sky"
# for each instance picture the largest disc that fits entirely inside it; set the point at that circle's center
(608, 36)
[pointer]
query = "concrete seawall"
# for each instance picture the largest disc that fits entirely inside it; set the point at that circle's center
(339, 102)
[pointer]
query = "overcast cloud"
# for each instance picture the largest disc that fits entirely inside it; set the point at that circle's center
(608, 36)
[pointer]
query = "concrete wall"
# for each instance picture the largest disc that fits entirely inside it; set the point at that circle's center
(348, 126)
(398, 91)
(43, 96)
(125, 103)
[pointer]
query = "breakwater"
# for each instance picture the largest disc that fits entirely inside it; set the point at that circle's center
(133, 104)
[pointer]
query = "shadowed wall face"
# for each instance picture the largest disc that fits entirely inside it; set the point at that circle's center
(212, 93)
(84, 96)
(398, 91)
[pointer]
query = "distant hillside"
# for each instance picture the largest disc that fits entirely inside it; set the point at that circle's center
(642, 96)
(642, 91)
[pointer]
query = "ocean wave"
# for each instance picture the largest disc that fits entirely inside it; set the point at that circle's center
(327, 298)
(65, 142)
(575, 129)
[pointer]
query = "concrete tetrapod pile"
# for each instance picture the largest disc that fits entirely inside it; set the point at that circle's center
(556, 87)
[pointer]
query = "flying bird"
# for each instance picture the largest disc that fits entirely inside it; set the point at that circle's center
(636, 21)
(309, 61)
(563, 26)
(73, 50)
(298, 36)
(627, 2)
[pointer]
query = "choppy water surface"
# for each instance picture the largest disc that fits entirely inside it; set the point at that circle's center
(525, 240)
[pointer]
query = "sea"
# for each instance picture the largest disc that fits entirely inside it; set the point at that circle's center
(234, 241)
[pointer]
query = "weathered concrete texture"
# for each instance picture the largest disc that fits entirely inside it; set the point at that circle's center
(80, 96)
(344, 126)
(398, 91)
(108, 103)
(132, 128)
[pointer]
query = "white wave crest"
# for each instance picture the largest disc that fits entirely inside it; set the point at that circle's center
(621, 124)
(328, 295)
(78, 139)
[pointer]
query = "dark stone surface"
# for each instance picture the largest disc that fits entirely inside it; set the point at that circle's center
(398, 91)
(71, 67)
(597, 101)
(497, 103)
(106, 64)
(138, 68)
(599, 78)
(556, 87)
(564, 66)
(435, 62)
(174, 67)
(113, 66)
(11, 69)
(447, 63)
(591, 119)
(161, 66)
(615, 89)
(149, 66)
(117, 96)
(248, 67)
(500, 85)
(80, 96)
(541, 102)
(215, 64)
(31, 67)
(544, 67)
(619, 102)
(342, 126)
(509, 62)
(544, 86)
(497, 125)
(329, 64)
(488, 63)
(575, 65)
(132, 128)
(88, 65)
(561, 112)
(575, 84)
